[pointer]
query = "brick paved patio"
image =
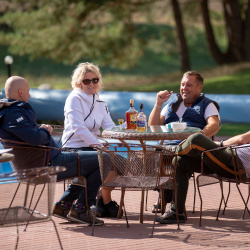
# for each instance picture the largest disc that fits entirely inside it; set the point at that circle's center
(229, 232)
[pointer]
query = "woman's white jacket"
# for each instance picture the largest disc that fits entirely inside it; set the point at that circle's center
(84, 115)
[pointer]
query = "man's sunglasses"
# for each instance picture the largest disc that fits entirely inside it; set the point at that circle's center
(88, 81)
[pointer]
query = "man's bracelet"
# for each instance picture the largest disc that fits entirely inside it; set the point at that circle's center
(221, 143)
(157, 107)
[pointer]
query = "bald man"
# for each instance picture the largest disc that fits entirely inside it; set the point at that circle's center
(18, 123)
(17, 97)
(17, 88)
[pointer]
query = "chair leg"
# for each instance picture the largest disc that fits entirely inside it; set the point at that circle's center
(199, 192)
(96, 204)
(35, 206)
(58, 237)
(245, 203)
(26, 194)
(59, 240)
(194, 194)
(119, 215)
(142, 204)
(32, 196)
(153, 227)
(162, 199)
(11, 202)
(128, 226)
(225, 201)
(176, 206)
(122, 205)
(243, 215)
(146, 201)
(17, 231)
(221, 200)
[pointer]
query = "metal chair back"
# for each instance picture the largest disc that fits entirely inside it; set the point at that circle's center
(127, 166)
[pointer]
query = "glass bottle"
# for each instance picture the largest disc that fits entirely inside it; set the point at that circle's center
(141, 120)
(131, 117)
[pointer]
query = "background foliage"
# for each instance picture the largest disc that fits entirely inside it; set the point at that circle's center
(134, 42)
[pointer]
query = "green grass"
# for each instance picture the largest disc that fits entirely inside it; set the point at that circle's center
(233, 129)
(237, 83)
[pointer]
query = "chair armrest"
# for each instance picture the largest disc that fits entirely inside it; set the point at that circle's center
(27, 156)
(238, 170)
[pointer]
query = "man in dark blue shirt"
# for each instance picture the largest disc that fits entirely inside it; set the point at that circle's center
(18, 123)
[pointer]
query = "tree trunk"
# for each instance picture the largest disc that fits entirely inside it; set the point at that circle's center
(213, 47)
(237, 29)
(246, 44)
(234, 26)
(181, 41)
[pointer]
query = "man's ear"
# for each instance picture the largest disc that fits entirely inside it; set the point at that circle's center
(20, 92)
(201, 87)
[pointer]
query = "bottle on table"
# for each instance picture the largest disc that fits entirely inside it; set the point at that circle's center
(131, 117)
(141, 120)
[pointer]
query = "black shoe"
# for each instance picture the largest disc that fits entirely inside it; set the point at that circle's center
(61, 209)
(100, 208)
(170, 218)
(83, 216)
(111, 209)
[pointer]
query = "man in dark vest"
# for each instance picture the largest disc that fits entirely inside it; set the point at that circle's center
(190, 106)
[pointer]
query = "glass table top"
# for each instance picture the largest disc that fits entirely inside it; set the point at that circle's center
(155, 132)
(155, 129)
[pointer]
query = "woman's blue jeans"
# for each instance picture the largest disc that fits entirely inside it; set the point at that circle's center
(89, 168)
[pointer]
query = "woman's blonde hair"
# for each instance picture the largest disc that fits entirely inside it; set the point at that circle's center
(81, 70)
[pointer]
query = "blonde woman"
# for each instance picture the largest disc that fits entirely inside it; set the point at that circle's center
(85, 113)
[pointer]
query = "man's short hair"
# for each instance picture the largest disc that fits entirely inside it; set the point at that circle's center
(199, 77)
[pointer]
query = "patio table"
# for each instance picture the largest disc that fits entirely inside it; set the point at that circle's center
(152, 133)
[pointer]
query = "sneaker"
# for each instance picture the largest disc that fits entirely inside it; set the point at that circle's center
(170, 218)
(61, 209)
(154, 207)
(111, 209)
(80, 214)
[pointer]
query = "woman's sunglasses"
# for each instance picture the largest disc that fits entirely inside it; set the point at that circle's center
(88, 81)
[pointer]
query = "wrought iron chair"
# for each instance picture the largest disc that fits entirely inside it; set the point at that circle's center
(204, 179)
(191, 175)
(27, 205)
(27, 156)
(167, 161)
(134, 167)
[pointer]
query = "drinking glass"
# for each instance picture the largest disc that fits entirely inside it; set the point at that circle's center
(120, 121)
